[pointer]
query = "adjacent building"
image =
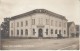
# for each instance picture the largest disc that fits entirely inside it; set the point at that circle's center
(77, 30)
(71, 29)
(38, 23)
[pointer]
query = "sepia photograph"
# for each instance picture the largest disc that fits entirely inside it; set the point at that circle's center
(39, 24)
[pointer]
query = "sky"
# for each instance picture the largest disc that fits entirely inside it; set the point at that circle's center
(67, 8)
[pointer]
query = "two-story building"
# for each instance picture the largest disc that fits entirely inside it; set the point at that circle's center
(38, 23)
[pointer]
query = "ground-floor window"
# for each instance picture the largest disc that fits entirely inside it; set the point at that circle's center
(51, 31)
(59, 31)
(17, 32)
(46, 31)
(21, 32)
(33, 31)
(64, 32)
(12, 32)
(26, 32)
(55, 31)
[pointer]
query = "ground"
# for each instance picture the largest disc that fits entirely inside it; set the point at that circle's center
(41, 44)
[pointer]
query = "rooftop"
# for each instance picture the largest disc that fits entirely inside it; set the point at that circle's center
(39, 11)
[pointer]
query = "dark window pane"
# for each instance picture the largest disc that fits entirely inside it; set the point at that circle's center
(21, 32)
(46, 31)
(17, 32)
(26, 32)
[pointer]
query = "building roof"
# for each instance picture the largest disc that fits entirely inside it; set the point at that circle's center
(39, 11)
(69, 23)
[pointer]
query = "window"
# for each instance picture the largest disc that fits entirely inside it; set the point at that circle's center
(26, 23)
(11, 25)
(59, 24)
(64, 24)
(59, 31)
(26, 32)
(51, 22)
(56, 23)
(51, 31)
(17, 32)
(17, 24)
(64, 32)
(33, 31)
(40, 21)
(11, 32)
(46, 31)
(21, 32)
(47, 21)
(33, 21)
(21, 24)
(55, 31)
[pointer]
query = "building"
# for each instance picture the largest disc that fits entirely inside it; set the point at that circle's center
(71, 29)
(38, 23)
(5, 28)
(77, 30)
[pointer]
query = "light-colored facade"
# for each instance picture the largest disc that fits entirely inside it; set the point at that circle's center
(71, 29)
(38, 23)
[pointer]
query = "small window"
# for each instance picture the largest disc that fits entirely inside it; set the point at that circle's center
(17, 24)
(33, 31)
(17, 32)
(21, 24)
(46, 31)
(11, 25)
(26, 23)
(51, 31)
(64, 32)
(12, 32)
(33, 21)
(26, 32)
(59, 24)
(56, 23)
(64, 24)
(47, 21)
(59, 31)
(51, 22)
(55, 31)
(21, 32)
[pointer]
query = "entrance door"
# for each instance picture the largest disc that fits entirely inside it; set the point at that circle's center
(40, 32)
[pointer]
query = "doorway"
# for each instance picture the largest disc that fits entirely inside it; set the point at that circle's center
(40, 32)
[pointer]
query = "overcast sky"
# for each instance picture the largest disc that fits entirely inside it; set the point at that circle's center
(67, 8)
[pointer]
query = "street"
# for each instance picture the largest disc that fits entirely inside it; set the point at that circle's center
(41, 44)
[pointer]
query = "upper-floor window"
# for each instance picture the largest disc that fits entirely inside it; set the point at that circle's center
(46, 31)
(59, 24)
(64, 24)
(21, 32)
(47, 21)
(51, 31)
(26, 23)
(40, 21)
(17, 32)
(26, 32)
(21, 24)
(17, 24)
(51, 22)
(11, 25)
(56, 23)
(33, 21)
